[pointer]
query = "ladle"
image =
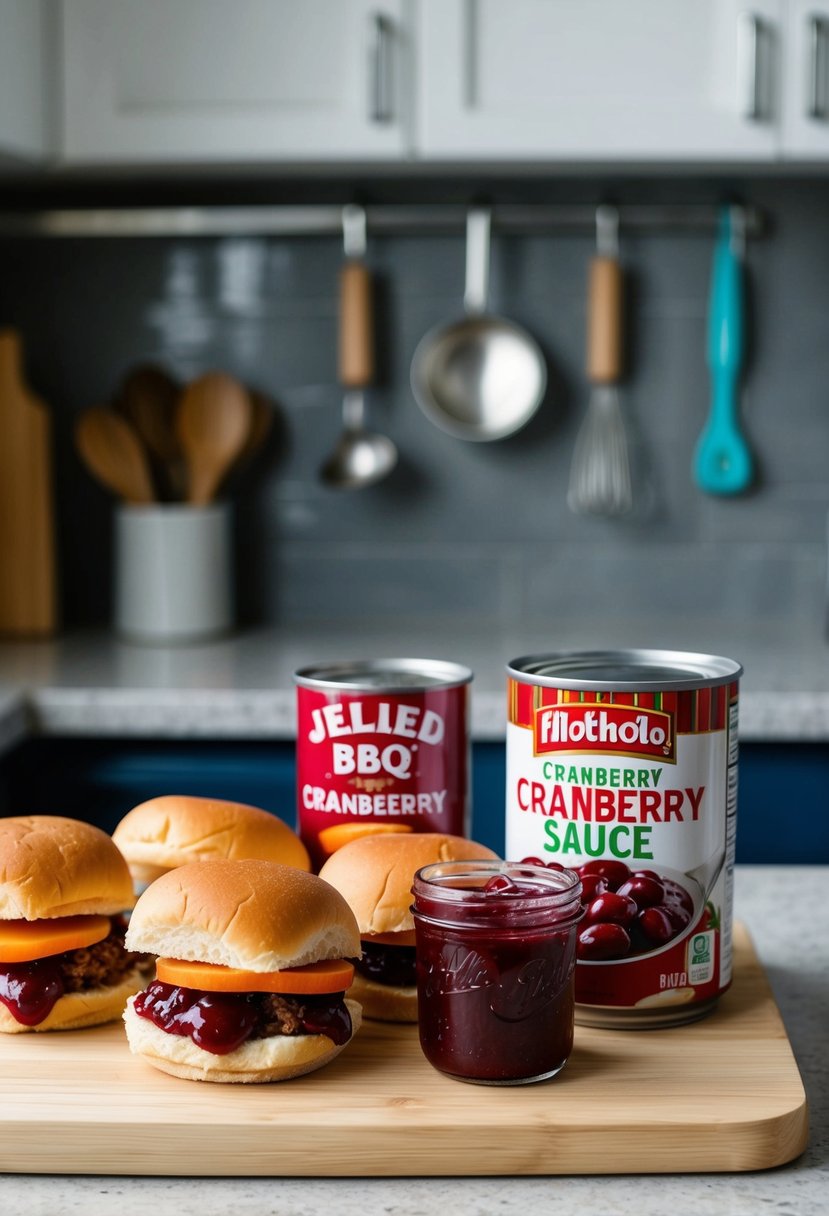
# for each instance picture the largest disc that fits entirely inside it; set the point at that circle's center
(481, 377)
(360, 457)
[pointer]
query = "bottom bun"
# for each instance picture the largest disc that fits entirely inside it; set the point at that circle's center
(278, 1058)
(78, 1009)
(384, 1002)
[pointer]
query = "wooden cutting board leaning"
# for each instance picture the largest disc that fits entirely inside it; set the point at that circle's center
(28, 593)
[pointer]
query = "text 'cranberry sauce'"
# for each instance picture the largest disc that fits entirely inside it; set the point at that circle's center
(496, 952)
(219, 1022)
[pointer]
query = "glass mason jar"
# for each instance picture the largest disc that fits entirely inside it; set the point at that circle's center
(496, 952)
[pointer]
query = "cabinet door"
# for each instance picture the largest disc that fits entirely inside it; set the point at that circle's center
(587, 80)
(806, 81)
(229, 81)
(25, 82)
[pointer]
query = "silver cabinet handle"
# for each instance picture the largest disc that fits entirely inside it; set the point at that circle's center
(815, 102)
(749, 37)
(381, 105)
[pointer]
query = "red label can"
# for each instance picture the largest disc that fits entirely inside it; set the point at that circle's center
(382, 745)
(622, 766)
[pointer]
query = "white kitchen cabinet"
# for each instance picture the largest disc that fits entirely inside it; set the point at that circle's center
(599, 80)
(806, 81)
(232, 81)
(25, 79)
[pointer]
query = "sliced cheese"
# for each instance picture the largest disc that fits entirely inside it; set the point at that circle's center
(330, 975)
(23, 941)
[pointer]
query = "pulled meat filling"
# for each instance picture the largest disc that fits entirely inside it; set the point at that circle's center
(103, 965)
(279, 1015)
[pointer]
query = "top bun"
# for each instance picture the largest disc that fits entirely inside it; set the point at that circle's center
(375, 874)
(175, 829)
(253, 914)
(51, 866)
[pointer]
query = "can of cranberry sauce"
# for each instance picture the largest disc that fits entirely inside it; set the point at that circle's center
(382, 745)
(622, 765)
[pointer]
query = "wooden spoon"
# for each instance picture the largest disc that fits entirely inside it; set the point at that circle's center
(148, 399)
(260, 425)
(112, 452)
(213, 424)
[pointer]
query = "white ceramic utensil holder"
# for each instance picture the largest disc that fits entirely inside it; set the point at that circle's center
(173, 572)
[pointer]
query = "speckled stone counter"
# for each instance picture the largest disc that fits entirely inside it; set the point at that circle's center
(778, 906)
(241, 687)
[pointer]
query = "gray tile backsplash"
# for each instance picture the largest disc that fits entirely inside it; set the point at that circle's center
(461, 529)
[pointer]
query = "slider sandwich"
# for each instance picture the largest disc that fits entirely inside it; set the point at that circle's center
(375, 877)
(175, 829)
(251, 973)
(63, 961)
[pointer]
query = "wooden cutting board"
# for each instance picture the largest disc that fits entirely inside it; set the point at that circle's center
(720, 1094)
(27, 544)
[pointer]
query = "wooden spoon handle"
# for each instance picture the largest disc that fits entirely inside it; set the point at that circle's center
(356, 326)
(604, 321)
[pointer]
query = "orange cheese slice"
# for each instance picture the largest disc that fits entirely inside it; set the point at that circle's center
(330, 975)
(334, 838)
(22, 941)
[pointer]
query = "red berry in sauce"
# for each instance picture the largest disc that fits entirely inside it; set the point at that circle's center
(644, 891)
(592, 885)
(656, 925)
(602, 942)
(614, 872)
(610, 908)
(501, 884)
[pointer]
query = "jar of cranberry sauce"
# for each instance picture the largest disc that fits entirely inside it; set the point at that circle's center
(496, 951)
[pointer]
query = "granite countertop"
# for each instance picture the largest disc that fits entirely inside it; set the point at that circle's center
(241, 687)
(795, 952)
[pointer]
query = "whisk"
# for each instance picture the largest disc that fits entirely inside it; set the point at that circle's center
(600, 471)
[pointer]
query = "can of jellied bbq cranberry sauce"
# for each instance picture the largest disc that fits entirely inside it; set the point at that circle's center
(622, 765)
(382, 745)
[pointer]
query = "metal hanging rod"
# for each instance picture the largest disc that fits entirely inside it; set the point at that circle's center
(382, 220)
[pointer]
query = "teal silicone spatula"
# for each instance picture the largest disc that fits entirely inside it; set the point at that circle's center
(722, 459)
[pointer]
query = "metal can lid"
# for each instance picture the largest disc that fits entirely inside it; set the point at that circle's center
(383, 675)
(626, 670)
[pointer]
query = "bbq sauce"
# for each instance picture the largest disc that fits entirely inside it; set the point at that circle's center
(30, 991)
(219, 1022)
(385, 964)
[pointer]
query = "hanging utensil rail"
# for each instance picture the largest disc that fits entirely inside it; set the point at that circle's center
(384, 219)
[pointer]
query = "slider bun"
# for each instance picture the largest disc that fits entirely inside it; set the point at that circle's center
(175, 829)
(253, 914)
(78, 1009)
(278, 1058)
(51, 866)
(375, 874)
(384, 1002)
